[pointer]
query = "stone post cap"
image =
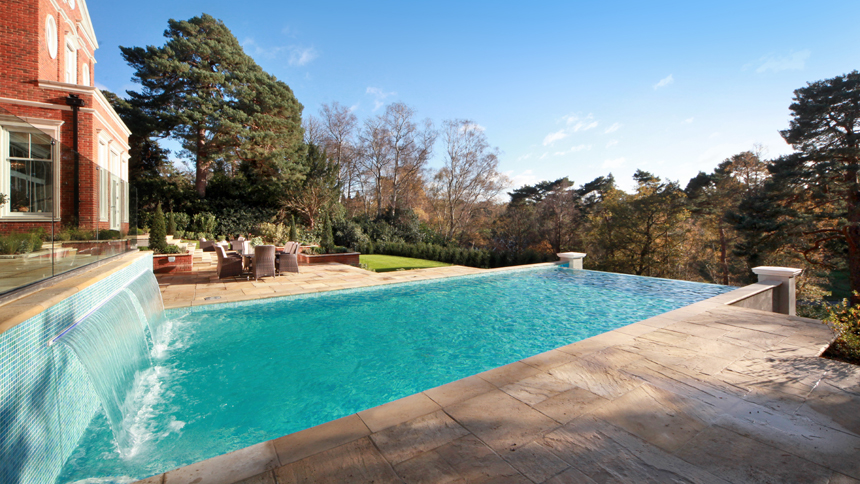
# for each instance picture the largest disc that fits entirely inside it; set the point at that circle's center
(571, 255)
(786, 272)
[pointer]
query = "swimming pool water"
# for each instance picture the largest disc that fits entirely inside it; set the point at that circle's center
(237, 374)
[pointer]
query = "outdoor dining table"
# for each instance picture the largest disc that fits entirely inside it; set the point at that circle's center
(248, 259)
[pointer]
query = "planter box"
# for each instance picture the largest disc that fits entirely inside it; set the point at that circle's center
(98, 247)
(348, 258)
(139, 240)
(161, 263)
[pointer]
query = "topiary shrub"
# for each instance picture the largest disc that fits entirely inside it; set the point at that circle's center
(158, 232)
(171, 224)
(294, 236)
(327, 241)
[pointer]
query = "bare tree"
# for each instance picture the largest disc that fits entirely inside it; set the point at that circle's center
(313, 130)
(410, 147)
(339, 125)
(469, 176)
(375, 155)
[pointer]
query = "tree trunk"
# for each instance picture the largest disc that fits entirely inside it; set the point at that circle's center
(200, 176)
(854, 263)
(724, 262)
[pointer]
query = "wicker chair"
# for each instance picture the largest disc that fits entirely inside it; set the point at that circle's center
(207, 245)
(264, 261)
(238, 244)
(227, 265)
(288, 261)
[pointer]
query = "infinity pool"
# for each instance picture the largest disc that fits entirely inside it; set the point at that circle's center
(237, 374)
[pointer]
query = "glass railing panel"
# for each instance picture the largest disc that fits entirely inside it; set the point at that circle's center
(40, 234)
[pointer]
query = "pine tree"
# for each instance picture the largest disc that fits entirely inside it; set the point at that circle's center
(217, 101)
(811, 203)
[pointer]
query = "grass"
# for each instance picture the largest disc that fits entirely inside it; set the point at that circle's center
(387, 263)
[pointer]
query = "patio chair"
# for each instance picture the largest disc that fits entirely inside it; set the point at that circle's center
(264, 261)
(227, 265)
(206, 245)
(288, 261)
(238, 244)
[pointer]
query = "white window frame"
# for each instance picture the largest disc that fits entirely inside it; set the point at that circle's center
(104, 180)
(46, 126)
(85, 74)
(51, 36)
(115, 197)
(71, 62)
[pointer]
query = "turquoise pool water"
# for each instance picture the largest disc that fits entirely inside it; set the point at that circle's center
(237, 374)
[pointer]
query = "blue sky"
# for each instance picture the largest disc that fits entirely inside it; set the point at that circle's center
(576, 89)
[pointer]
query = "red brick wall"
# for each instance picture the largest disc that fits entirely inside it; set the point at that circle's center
(183, 263)
(24, 61)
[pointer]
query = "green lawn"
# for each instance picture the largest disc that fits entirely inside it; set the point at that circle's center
(386, 263)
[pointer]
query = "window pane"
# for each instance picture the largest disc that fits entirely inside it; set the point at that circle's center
(42, 199)
(40, 147)
(18, 144)
(19, 186)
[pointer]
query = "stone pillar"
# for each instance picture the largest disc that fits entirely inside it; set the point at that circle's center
(784, 297)
(574, 259)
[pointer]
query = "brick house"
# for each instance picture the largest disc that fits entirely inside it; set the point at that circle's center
(47, 62)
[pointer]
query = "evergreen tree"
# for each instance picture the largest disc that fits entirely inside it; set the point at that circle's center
(327, 236)
(158, 232)
(811, 204)
(293, 234)
(217, 101)
(171, 223)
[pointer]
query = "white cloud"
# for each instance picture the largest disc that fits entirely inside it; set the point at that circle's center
(573, 149)
(379, 96)
(524, 157)
(354, 107)
(612, 143)
(553, 137)
(612, 129)
(574, 124)
(614, 163)
(525, 178)
(543, 156)
(715, 134)
(664, 82)
(792, 61)
(687, 121)
(300, 56)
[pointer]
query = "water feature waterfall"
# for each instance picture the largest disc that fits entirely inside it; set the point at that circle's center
(111, 344)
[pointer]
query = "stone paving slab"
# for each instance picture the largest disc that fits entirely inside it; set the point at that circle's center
(706, 394)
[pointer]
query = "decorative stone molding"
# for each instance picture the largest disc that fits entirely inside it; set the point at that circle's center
(573, 259)
(784, 296)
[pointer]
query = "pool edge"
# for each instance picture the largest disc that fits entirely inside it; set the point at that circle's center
(264, 456)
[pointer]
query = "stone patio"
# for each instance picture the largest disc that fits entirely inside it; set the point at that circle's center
(706, 393)
(202, 286)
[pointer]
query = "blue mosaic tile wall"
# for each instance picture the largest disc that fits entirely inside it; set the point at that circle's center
(46, 399)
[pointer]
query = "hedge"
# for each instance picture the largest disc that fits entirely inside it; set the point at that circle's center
(455, 255)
